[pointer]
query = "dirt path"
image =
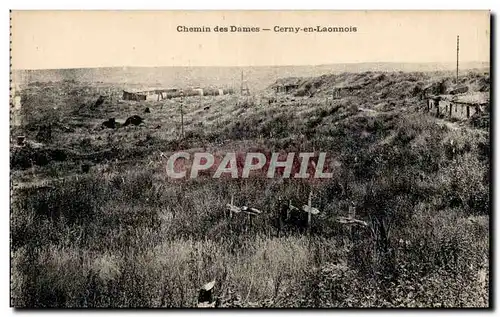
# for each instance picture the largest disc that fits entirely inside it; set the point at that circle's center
(370, 112)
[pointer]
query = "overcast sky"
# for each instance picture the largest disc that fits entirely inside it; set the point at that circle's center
(71, 39)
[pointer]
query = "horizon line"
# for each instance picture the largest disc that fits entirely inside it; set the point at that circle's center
(245, 66)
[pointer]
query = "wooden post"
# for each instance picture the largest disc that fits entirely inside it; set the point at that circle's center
(309, 214)
(458, 49)
(231, 215)
(351, 215)
(232, 203)
(182, 115)
(182, 122)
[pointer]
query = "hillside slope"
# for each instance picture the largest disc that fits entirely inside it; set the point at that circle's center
(258, 77)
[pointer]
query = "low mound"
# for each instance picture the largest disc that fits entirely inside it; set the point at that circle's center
(382, 85)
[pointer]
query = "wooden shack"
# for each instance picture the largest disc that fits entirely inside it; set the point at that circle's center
(338, 91)
(153, 94)
(133, 95)
(458, 106)
(285, 88)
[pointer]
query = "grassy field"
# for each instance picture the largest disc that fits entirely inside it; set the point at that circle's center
(125, 235)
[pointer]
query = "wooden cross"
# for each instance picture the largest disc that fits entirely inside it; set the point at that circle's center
(310, 211)
(351, 220)
(250, 211)
(232, 208)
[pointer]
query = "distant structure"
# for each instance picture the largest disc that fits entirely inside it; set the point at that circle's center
(207, 92)
(244, 90)
(458, 106)
(288, 85)
(148, 94)
(338, 91)
(169, 93)
(285, 88)
(199, 91)
(133, 95)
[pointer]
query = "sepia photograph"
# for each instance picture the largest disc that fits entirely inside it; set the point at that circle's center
(250, 159)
